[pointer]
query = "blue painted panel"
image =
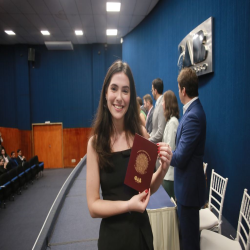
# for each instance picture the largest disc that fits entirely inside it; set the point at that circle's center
(98, 73)
(64, 86)
(151, 51)
(7, 87)
(61, 86)
(22, 87)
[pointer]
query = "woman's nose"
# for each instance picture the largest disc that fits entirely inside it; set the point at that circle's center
(119, 95)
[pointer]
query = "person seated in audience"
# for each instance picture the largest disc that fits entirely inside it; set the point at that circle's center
(20, 158)
(13, 160)
(5, 156)
(3, 164)
(142, 112)
(171, 113)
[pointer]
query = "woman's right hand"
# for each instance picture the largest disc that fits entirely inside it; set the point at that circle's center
(139, 202)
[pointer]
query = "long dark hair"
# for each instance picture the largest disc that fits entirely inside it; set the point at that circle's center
(103, 127)
(5, 154)
(171, 105)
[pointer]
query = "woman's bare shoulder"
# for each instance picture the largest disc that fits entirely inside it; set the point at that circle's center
(91, 140)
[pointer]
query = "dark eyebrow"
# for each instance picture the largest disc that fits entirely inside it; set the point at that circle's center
(115, 85)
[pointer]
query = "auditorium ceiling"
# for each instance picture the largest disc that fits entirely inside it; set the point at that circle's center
(26, 18)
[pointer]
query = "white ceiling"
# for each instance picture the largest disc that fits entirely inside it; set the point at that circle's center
(62, 17)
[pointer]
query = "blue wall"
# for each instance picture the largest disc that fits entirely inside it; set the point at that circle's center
(152, 51)
(63, 87)
(8, 102)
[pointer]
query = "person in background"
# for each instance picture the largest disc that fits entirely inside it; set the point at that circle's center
(3, 165)
(13, 160)
(20, 159)
(142, 114)
(141, 105)
(158, 119)
(125, 223)
(142, 111)
(171, 113)
(189, 178)
(4, 155)
(148, 105)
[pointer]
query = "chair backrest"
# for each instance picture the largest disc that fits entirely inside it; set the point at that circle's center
(33, 160)
(20, 169)
(205, 167)
(4, 178)
(245, 216)
(217, 193)
(26, 165)
(36, 159)
(13, 173)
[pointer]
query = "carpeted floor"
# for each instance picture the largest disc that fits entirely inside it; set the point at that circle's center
(74, 228)
(21, 221)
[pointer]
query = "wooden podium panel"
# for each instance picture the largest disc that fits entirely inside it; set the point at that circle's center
(48, 144)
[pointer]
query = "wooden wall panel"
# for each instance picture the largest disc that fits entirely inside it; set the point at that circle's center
(14, 139)
(11, 139)
(25, 143)
(75, 142)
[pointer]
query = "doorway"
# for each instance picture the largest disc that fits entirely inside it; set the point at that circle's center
(47, 140)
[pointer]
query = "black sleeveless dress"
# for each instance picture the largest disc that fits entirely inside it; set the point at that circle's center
(129, 231)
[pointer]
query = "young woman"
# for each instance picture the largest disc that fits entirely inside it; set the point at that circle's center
(171, 113)
(4, 155)
(3, 165)
(125, 223)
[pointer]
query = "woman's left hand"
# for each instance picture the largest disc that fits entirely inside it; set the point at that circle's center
(165, 155)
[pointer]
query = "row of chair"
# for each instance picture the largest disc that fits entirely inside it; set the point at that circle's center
(14, 180)
(212, 240)
(209, 222)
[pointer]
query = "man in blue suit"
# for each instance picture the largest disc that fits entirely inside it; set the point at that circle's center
(13, 160)
(189, 179)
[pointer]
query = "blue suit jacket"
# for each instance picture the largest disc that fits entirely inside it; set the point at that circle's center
(189, 179)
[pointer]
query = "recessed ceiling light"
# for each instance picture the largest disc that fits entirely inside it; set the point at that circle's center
(111, 32)
(45, 32)
(79, 32)
(115, 7)
(9, 32)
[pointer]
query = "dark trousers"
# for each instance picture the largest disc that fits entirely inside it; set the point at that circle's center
(189, 227)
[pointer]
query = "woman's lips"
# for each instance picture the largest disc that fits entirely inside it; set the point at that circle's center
(118, 107)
